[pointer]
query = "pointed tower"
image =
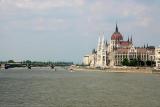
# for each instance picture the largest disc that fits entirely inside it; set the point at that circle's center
(99, 44)
(101, 53)
(116, 28)
(98, 57)
(103, 42)
(131, 39)
(115, 39)
(106, 43)
(128, 40)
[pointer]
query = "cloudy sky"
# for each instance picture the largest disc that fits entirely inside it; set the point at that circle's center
(68, 29)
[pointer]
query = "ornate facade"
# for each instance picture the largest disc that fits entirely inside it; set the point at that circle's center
(157, 56)
(117, 50)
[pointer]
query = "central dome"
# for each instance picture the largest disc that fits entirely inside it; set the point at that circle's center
(116, 35)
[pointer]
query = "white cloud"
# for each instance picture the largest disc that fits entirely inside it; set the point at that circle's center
(143, 21)
(76, 18)
(96, 12)
(128, 10)
(37, 24)
(39, 4)
(98, 7)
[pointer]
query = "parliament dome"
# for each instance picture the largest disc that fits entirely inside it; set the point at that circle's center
(116, 35)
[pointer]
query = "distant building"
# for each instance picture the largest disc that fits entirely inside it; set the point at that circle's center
(86, 60)
(117, 50)
(89, 60)
(157, 57)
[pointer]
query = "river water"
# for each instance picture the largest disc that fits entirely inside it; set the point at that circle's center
(43, 87)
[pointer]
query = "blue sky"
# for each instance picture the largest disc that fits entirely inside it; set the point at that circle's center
(56, 30)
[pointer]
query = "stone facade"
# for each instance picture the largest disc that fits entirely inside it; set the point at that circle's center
(101, 53)
(113, 54)
(157, 56)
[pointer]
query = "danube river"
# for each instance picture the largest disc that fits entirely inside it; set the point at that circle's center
(43, 87)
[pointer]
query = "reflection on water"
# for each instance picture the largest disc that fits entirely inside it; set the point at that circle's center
(41, 87)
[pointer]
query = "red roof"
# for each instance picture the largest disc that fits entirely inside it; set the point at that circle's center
(124, 43)
(122, 50)
(116, 36)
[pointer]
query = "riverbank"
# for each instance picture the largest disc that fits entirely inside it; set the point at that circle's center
(117, 69)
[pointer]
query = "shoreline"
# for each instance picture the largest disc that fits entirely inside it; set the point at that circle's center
(118, 70)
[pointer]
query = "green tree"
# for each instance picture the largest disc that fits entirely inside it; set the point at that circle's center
(148, 63)
(125, 62)
(28, 62)
(133, 62)
(11, 61)
(142, 63)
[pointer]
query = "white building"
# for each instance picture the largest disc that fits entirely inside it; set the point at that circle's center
(117, 50)
(101, 53)
(86, 60)
(89, 59)
(157, 57)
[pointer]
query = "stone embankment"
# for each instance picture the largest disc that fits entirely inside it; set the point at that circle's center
(117, 69)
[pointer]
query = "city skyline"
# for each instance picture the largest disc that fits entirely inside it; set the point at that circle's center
(62, 30)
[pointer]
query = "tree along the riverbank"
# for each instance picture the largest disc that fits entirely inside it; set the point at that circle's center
(125, 62)
(137, 62)
(11, 61)
(35, 63)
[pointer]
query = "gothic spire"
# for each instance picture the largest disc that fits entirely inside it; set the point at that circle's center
(99, 43)
(128, 39)
(93, 51)
(103, 41)
(106, 43)
(116, 28)
(131, 38)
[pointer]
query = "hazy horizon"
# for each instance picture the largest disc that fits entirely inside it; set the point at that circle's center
(60, 30)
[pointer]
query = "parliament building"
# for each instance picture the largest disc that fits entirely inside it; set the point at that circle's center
(114, 52)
